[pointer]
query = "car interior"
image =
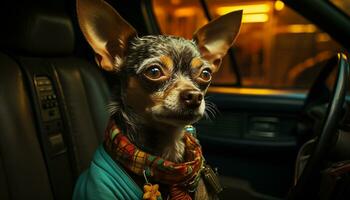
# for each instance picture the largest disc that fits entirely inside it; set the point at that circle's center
(266, 143)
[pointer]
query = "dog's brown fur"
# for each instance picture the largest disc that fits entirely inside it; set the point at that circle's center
(161, 79)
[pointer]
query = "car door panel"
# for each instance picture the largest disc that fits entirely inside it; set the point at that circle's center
(253, 136)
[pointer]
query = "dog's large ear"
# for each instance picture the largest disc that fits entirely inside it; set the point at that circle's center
(106, 31)
(215, 38)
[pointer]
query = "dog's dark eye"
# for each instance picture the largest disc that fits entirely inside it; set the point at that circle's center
(206, 75)
(153, 72)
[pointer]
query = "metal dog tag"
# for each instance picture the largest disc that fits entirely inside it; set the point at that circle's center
(211, 178)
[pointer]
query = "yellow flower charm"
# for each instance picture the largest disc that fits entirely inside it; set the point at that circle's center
(151, 191)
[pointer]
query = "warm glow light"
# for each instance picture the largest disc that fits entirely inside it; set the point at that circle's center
(251, 13)
(247, 9)
(175, 2)
(279, 5)
(322, 37)
(255, 18)
(185, 12)
(301, 28)
(255, 91)
(298, 28)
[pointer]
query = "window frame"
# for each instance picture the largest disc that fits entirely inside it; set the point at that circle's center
(326, 17)
(338, 8)
(150, 17)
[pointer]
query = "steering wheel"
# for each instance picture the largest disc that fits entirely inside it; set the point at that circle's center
(305, 187)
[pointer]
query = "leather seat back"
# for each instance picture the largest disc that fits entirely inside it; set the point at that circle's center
(23, 173)
(53, 111)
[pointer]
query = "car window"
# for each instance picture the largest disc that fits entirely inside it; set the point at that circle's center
(276, 48)
(343, 5)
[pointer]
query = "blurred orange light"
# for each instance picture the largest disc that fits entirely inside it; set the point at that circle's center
(255, 18)
(185, 12)
(247, 9)
(252, 91)
(175, 2)
(301, 28)
(322, 37)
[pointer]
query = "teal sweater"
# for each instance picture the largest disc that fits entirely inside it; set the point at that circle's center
(104, 179)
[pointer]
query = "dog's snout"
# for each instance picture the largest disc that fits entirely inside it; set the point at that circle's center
(191, 98)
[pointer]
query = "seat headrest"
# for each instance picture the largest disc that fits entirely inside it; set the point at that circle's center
(36, 31)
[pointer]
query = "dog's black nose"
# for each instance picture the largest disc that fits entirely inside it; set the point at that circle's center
(191, 98)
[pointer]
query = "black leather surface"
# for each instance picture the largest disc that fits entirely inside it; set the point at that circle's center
(4, 191)
(60, 164)
(31, 28)
(22, 158)
(41, 39)
(85, 95)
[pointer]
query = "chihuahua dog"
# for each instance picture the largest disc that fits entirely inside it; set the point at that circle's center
(160, 80)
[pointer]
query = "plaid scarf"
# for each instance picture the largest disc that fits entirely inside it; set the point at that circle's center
(181, 177)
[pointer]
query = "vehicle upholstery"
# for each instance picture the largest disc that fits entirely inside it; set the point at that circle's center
(53, 104)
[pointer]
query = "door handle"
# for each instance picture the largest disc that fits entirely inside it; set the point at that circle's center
(263, 127)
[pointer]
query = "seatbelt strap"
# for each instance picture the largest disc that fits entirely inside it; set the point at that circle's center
(44, 98)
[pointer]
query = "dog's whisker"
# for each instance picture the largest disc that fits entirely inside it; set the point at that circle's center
(207, 116)
(210, 106)
(214, 110)
(113, 108)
